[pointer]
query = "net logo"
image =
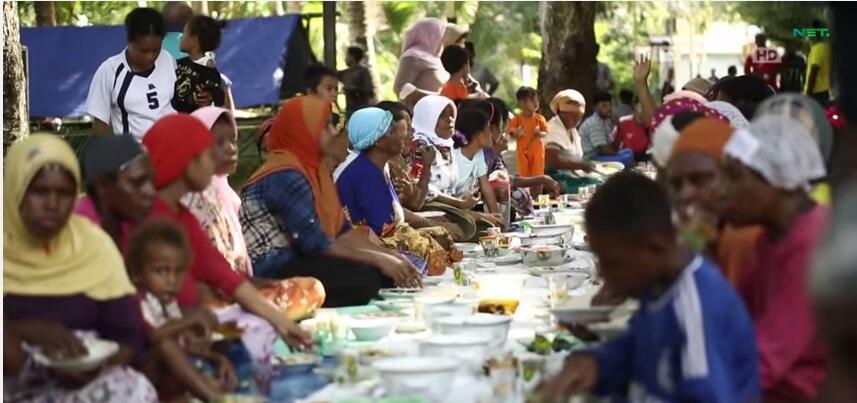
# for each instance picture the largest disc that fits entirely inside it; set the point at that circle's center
(766, 55)
(810, 32)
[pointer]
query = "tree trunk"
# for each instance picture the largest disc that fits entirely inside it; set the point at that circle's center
(568, 50)
(15, 117)
(277, 8)
(361, 32)
(46, 15)
(294, 7)
(200, 7)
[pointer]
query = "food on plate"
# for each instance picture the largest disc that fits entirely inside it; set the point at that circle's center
(498, 306)
(229, 331)
(542, 345)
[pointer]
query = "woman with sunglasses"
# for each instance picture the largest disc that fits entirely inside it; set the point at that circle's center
(292, 218)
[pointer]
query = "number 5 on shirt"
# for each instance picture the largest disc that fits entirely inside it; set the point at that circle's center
(152, 97)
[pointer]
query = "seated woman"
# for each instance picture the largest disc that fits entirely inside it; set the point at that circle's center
(63, 281)
(769, 168)
(412, 192)
(217, 208)
(369, 198)
(475, 130)
(434, 126)
(292, 218)
(563, 150)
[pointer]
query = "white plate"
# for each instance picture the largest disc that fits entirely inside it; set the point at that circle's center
(400, 293)
(99, 352)
(582, 314)
(430, 214)
(432, 280)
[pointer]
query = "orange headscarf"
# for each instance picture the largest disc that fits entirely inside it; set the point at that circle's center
(295, 143)
(704, 135)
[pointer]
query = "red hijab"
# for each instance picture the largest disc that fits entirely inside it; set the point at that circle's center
(294, 143)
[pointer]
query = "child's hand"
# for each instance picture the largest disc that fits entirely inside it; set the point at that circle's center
(519, 131)
(579, 375)
(202, 97)
(428, 155)
(202, 318)
(543, 134)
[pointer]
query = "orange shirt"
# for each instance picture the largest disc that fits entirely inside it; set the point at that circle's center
(531, 125)
(454, 90)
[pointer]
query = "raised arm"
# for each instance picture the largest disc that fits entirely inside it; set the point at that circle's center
(642, 67)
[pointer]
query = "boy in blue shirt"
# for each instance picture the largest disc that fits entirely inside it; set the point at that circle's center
(691, 340)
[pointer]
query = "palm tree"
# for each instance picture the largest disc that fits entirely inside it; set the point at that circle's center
(15, 116)
(568, 49)
(361, 32)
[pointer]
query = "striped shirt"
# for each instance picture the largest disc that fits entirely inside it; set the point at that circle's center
(279, 221)
(595, 132)
(131, 102)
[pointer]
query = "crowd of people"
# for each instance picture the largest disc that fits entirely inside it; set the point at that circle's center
(718, 249)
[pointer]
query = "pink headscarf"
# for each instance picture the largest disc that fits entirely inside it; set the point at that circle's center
(685, 94)
(424, 40)
(209, 116)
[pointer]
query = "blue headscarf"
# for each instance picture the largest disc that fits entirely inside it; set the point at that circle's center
(367, 126)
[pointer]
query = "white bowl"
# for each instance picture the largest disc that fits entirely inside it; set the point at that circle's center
(469, 350)
(98, 352)
(574, 279)
(543, 255)
(430, 312)
(552, 230)
(372, 329)
(494, 326)
(582, 314)
(428, 377)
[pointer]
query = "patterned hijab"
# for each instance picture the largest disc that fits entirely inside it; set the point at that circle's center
(295, 144)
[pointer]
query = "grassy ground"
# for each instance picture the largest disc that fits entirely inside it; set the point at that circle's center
(248, 156)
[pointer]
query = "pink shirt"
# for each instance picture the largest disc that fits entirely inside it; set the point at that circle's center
(774, 287)
(86, 208)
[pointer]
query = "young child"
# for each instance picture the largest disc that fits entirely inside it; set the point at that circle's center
(691, 339)
(198, 72)
(321, 81)
(456, 61)
(181, 359)
(528, 128)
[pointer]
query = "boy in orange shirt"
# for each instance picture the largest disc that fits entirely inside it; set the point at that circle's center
(456, 61)
(528, 128)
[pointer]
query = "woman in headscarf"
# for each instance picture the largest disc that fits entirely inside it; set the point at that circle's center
(412, 191)
(735, 117)
(217, 208)
(693, 177)
(63, 282)
(454, 35)
(434, 126)
(420, 62)
(811, 115)
(769, 168)
(563, 150)
(293, 220)
(667, 125)
(369, 198)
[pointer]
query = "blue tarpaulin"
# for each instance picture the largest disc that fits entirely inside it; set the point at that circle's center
(62, 61)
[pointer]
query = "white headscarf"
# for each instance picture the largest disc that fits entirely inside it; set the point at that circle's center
(780, 149)
(663, 140)
(736, 118)
(426, 113)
